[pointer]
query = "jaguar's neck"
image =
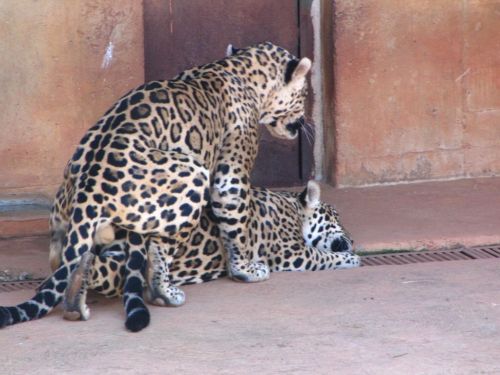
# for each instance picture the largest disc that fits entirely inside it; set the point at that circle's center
(262, 76)
(256, 72)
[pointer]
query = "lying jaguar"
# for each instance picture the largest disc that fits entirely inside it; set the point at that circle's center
(160, 154)
(288, 232)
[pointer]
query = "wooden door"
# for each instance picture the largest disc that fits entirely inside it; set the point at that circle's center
(180, 34)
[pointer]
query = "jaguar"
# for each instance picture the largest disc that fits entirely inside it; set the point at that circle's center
(156, 158)
(289, 232)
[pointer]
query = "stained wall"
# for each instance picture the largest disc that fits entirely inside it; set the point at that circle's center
(417, 90)
(416, 87)
(63, 63)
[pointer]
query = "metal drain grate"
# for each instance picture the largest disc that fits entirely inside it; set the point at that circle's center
(12, 286)
(480, 252)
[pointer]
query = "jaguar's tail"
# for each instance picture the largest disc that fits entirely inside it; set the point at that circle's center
(48, 296)
(124, 276)
(135, 309)
(137, 313)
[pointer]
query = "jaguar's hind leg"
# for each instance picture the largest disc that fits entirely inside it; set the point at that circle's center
(75, 296)
(124, 271)
(159, 289)
(118, 270)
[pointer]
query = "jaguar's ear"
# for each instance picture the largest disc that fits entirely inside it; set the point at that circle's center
(230, 50)
(297, 69)
(311, 195)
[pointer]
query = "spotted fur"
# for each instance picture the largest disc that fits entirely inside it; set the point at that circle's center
(283, 227)
(156, 158)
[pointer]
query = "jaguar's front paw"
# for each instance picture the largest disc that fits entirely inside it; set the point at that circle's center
(252, 272)
(167, 296)
(356, 260)
(348, 260)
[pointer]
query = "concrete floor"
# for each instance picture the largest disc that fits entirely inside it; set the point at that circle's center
(434, 318)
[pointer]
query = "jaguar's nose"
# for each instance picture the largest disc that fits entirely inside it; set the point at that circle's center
(295, 126)
(341, 244)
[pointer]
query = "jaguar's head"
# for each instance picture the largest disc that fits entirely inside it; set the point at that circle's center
(281, 78)
(321, 227)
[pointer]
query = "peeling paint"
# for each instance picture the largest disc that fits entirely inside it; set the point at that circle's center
(108, 56)
(53, 53)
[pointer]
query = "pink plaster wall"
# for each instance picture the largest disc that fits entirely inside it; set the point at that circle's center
(417, 86)
(54, 83)
(417, 90)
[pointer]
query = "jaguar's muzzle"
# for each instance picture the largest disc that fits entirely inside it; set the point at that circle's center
(341, 244)
(294, 127)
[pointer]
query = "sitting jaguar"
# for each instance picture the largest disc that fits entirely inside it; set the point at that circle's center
(288, 232)
(158, 156)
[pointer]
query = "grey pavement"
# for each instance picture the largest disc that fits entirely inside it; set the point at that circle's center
(432, 318)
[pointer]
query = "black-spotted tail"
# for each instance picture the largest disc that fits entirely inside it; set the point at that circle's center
(48, 296)
(137, 313)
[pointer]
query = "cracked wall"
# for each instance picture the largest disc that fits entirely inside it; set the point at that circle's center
(417, 90)
(63, 64)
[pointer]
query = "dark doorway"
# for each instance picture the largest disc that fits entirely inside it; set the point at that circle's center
(180, 34)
